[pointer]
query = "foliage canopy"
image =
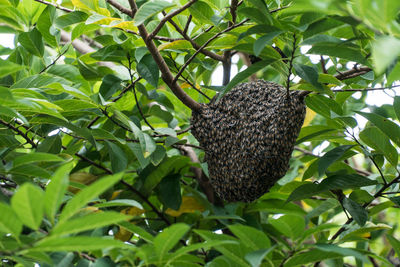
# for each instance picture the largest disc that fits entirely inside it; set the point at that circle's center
(99, 168)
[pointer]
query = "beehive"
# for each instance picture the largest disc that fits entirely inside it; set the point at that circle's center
(248, 137)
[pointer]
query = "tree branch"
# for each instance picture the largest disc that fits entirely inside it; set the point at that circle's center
(120, 8)
(169, 17)
(19, 132)
(352, 73)
(55, 5)
(165, 71)
(204, 45)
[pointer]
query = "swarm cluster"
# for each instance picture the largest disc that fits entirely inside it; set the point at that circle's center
(248, 137)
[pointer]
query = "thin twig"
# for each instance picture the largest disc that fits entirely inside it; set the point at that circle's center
(55, 5)
(18, 131)
(185, 30)
(54, 61)
(204, 45)
(168, 17)
(352, 73)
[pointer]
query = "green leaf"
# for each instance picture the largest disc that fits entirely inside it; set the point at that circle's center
(255, 257)
(245, 74)
(28, 204)
(291, 226)
(385, 50)
(36, 157)
(148, 69)
(255, 14)
(311, 256)
(51, 144)
(391, 129)
(88, 222)
(158, 155)
(202, 12)
(395, 244)
(118, 158)
(70, 19)
(396, 106)
(344, 50)
(264, 40)
(168, 238)
(137, 230)
(109, 86)
(359, 214)
(55, 190)
(170, 191)
(9, 222)
(77, 243)
(87, 194)
(374, 138)
(110, 53)
(251, 237)
(331, 157)
(309, 74)
(44, 25)
(119, 202)
(32, 41)
(7, 67)
(340, 250)
(334, 182)
(150, 9)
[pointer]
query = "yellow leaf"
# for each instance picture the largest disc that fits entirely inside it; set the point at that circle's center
(126, 25)
(186, 85)
(123, 234)
(179, 44)
(103, 11)
(134, 211)
(115, 194)
(309, 117)
(78, 4)
(189, 205)
(81, 178)
(105, 21)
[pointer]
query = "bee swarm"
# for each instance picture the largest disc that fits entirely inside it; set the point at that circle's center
(248, 137)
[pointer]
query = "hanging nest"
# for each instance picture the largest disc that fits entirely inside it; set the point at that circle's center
(248, 137)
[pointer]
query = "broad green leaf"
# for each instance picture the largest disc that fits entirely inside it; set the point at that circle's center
(395, 244)
(137, 230)
(385, 50)
(8, 112)
(170, 191)
(55, 190)
(244, 74)
(344, 50)
(88, 222)
(334, 182)
(109, 53)
(70, 19)
(120, 202)
(32, 41)
(7, 67)
(44, 25)
(78, 243)
(396, 106)
(28, 204)
(255, 257)
(391, 129)
(324, 207)
(374, 138)
(202, 12)
(36, 157)
(87, 194)
(359, 214)
(150, 9)
(168, 238)
(9, 221)
(342, 250)
(311, 256)
(291, 226)
(109, 86)
(264, 40)
(51, 144)
(148, 69)
(118, 158)
(158, 155)
(331, 157)
(309, 74)
(255, 14)
(251, 237)
(363, 233)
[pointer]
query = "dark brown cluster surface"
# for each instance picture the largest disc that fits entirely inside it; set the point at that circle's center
(248, 137)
